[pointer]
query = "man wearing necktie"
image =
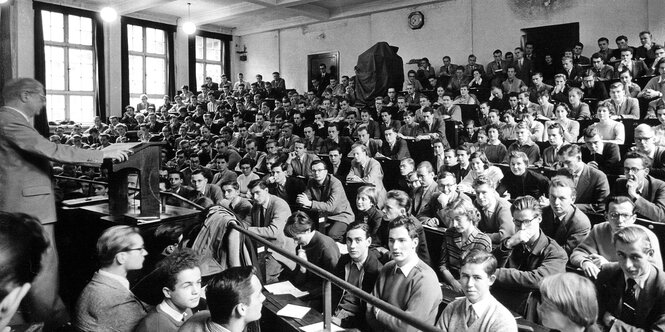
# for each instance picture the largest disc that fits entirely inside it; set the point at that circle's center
(478, 310)
(631, 295)
(591, 184)
(269, 214)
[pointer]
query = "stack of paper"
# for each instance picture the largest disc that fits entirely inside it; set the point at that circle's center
(285, 287)
(295, 311)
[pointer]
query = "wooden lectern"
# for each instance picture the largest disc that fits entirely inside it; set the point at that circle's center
(144, 159)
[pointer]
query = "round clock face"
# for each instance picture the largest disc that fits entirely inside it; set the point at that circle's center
(416, 20)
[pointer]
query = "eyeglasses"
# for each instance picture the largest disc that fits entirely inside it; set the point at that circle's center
(43, 97)
(643, 138)
(132, 249)
(634, 170)
(525, 222)
(617, 216)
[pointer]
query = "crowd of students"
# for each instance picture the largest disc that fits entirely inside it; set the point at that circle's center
(306, 172)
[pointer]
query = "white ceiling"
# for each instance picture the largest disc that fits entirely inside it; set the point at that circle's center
(244, 17)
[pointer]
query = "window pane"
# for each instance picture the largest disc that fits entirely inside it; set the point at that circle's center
(213, 71)
(81, 70)
(54, 27)
(135, 36)
(213, 49)
(200, 74)
(135, 74)
(55, 107)
(199, 47)
(154, 41)
(81, 109)
(80, 30)
(155, 69)
(55, 67)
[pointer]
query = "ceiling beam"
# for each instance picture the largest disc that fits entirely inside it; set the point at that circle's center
(296, 7)
(335, 14)
(132, 6)
(312, 11)
(227, 12)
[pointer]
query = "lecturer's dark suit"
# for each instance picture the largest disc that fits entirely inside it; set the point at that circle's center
(650, 311)
(26, 187)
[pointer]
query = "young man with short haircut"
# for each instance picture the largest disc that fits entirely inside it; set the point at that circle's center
(631, 296)
(180, 276)
(235, 299)
(360, 267)
(478, 310)
(406, 282)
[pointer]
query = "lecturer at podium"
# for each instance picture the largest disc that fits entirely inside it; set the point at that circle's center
(26, 184)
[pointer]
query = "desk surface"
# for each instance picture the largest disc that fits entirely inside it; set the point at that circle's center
(275, 303)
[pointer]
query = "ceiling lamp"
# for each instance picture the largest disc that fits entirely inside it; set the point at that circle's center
(108, 14)
(189, 27)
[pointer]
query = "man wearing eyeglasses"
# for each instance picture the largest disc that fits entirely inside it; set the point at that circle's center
(645, 143)
(526, 257)
(25, 179)
(107, 303)
(597, 251)
(647, 192)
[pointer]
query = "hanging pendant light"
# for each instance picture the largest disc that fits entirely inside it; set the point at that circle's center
(189, 27)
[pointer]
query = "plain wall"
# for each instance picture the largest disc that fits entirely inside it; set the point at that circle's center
(455, 28)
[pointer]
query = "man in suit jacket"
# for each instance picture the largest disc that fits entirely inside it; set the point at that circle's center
(496, 70)
(562, 220)
(637, 68)
(591, 184)
(526, 257)
(495, 218)
(601, 155)
(573, 73)
(433, 128)
(367, 170)
(269, 214)
(204, 189)
(361, 268)
(25, 179)
(339, 167)
(523, 66)
(106, 303)
(631, 295)
(176, 186)
(393, 147)
(424, 197)
(620, 105)
(300, 161)
(325, 196)
(647, 192)
(373, 145)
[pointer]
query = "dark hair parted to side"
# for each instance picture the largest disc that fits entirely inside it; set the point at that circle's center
(22, 243)
(228, 289)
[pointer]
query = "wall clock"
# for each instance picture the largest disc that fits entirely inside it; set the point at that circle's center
(416, 20)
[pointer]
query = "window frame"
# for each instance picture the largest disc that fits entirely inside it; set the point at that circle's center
(225, 57)
(168, 57)
(66, 46)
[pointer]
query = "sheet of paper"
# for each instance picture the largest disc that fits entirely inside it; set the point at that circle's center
(285, 287)
(295, 311)
(316, 327)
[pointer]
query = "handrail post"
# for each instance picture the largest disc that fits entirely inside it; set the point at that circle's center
(327, 307)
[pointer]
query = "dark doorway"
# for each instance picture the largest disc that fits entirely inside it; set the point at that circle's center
(553, 39)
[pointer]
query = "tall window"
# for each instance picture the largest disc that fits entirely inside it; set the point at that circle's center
(70, 67)
(147, 63)
(209, 60)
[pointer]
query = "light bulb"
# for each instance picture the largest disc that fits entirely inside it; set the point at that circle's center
(108, 14)
(3, 1)
(189, 27)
